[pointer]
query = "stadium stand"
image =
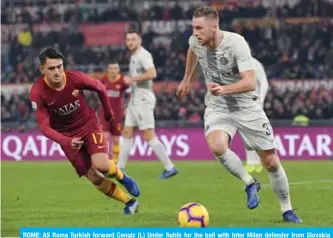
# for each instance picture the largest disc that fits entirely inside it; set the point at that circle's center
(293, 40)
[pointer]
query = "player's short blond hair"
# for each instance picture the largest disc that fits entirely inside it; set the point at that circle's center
(206, 11)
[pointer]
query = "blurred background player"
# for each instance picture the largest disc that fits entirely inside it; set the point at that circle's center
(232, 104)
(115, 87)
(64, 117)
(253, 163)
(140, 110)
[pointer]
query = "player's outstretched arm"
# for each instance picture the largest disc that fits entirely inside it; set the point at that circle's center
(84, 81)
(43, 119)
(191, 63)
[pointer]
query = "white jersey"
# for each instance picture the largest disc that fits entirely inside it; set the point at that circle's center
(223, 66)
(140, 61)
(262, 82)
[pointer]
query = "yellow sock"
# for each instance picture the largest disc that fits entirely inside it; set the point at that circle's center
(115, 152)
(115, 171)
(111, 190)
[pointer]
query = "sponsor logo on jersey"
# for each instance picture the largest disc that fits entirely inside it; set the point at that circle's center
(113, 93)
(67, 109)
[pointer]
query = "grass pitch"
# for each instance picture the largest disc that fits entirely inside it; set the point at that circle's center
(49, 194)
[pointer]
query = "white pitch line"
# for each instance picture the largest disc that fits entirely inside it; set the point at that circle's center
(304, 182)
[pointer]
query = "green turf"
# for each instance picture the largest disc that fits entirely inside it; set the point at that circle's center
(50, 194)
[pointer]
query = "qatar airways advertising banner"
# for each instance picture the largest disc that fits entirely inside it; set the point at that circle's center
(293, 143)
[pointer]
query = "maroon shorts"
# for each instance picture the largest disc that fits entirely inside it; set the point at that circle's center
(114, 127)
(94, 142)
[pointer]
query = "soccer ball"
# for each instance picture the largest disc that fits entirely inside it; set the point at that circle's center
(193, 215)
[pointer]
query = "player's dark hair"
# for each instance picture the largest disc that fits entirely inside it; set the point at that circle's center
(50, 53)
(113, 61)
(206, 11)
(133, 27)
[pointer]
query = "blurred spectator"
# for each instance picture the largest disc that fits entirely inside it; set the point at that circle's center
(25, 37)
(287, 50)
(314, 104)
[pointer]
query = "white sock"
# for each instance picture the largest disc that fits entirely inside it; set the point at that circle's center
(252, 158)
(280, 187)
(161, 153)
(233, 164)
(125, 151)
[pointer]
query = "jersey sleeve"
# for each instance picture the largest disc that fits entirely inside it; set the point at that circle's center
(242, 54)
(85, 82)
(102, 80)
(147, 60)
(43, 118)
(192, 42)
(261, 76)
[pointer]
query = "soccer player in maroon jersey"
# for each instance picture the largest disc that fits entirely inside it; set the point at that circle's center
(115, 87)
(64, 117)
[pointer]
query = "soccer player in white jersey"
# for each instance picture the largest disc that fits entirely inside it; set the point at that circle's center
(232, 104)
(140, 109)
(253, 163)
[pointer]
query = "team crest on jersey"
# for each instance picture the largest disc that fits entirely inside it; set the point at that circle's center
(225, 58)
(75, 93)
(118, 86)
(34, 106)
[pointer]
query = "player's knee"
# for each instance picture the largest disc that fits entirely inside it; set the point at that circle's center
(94, 177)
(148, 134)
(218, 147)
(127, 132)
(218, 143)
(101, 162)
(270, 160)
(106, 135)
(115, 140)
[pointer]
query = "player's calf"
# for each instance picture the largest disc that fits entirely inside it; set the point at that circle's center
(170, 169)
(110, 189)
(126, 146)
(218, 143)
(110, 170)
(279, 182)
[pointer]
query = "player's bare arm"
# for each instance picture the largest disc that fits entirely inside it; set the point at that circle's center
(246, 84)
(148, 75)
(191, 63)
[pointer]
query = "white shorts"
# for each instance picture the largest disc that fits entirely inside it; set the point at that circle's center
(252, 124)
(140, 115)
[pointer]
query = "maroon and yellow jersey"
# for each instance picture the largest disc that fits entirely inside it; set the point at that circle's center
(63, 114)
(116, 90)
